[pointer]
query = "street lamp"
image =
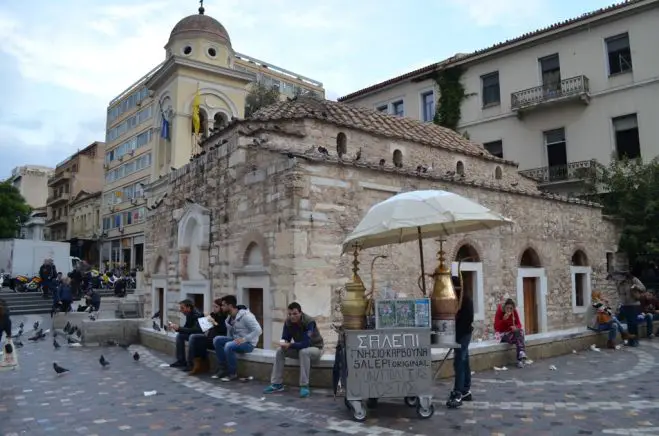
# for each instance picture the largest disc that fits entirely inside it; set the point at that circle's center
(100, 238)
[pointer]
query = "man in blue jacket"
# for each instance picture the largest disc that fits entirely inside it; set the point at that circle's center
(300, 339)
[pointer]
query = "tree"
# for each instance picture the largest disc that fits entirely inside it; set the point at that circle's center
(629, 191)
(260, 96)
(13, 210)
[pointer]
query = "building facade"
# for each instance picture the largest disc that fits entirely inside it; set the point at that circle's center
(150, 128)
(263, 212)
(559, 101)
(82, 171)
(35, 227)
(85, 226)
(32, 182)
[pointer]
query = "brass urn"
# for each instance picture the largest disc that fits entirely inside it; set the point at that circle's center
(353, 306)
(444, 301)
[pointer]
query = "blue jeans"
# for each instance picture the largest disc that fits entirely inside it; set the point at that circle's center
(631, 313)
(226, 349)
(461, 366)
(648, 322)
(613, 327)
(180, 347)
(197, 344)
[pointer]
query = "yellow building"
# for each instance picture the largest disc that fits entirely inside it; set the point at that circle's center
(149, 126)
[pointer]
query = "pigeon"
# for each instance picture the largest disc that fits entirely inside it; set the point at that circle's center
(18, 344)
(136, 356)
(70, 341)
(56, 344)
(78, 333)
(124, 346)
(21, 325)
(111, 343)
(104, 363)
(156, 315)
(156, 327)
(58, 369)
(67, 327)
(38, 335)
(54, 333)
(36, 325)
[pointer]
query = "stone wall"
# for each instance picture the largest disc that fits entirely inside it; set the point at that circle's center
(338, 197)
(249, 194)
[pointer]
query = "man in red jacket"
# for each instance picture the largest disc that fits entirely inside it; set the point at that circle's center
(507, 323)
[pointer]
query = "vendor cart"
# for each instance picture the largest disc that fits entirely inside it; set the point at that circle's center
(394, 360)
(387, 364)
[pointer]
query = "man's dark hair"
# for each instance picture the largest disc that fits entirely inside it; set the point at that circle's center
(230, 300)
(187, 303)
(294, 305)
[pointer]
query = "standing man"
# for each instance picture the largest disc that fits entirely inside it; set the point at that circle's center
(47, 274)
(464, 320)
(191, 327)
(300, 339)
(630, 289)
(243, 332)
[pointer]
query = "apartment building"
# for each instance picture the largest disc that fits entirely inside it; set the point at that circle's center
(85, 226)
(82, 171)
(32, 182)
(149, 126)
(559, 101)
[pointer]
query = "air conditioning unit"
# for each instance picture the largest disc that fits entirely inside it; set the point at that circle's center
(138, 104)
(121, 229)
(121, 159)
(132, 152)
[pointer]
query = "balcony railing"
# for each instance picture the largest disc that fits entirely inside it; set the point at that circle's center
(54, 180)
(61, 220)
(571, 172)
(568, 88)
(58, 199)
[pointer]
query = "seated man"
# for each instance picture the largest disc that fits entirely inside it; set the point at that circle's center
(243, 332)
(199, 343)
(191, 326)
(605, 321)
(300, 339)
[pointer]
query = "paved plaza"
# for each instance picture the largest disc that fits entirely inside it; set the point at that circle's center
(607, 392)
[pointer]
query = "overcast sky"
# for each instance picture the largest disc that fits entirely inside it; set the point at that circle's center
(62, 61)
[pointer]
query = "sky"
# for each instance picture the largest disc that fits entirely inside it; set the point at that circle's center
(61, 62)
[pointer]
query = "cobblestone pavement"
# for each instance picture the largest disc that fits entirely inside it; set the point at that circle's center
(607, 392)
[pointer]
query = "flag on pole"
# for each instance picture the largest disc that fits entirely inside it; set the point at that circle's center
(196, 121)
(164, 129)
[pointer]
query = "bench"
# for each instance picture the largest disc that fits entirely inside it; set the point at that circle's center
(484, 355)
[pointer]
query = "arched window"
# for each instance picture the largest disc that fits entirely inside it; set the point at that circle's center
(398, 158)
(530, 259)
(341, 144)
(467, 253)
(460, 168)
(579, 258)
(220, 121)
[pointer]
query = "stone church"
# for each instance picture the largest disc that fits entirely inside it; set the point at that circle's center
(261, 213)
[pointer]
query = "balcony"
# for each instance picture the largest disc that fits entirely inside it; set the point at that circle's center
(59, 221)
(555, 178)
(57, 178)
(572, 89)
(53, 200)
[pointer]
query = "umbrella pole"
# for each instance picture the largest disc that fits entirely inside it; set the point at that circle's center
(423, 267)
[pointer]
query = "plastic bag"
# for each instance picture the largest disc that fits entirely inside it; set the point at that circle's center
(9, 357)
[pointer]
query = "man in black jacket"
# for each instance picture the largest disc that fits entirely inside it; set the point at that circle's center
(464, 319)
(190, 327)
(200, 343)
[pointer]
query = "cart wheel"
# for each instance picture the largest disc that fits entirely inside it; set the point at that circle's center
(372, 403)
(412, 401)
(359, 416)
(425, 413)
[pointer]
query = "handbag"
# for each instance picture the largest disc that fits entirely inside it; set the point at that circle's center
(9, 357)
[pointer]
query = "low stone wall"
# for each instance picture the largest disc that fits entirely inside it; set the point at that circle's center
(123, 331)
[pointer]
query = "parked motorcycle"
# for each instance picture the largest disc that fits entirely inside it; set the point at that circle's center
(108, 280)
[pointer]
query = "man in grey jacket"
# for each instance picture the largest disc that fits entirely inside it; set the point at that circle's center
(243, 332)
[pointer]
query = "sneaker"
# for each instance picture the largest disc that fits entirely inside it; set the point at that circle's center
(304, 391)
(522, 355)
(454, 400)
(178, 364)
(273, 388)
(220, 373)
(466, 396)
(230, 377)
(520, 364)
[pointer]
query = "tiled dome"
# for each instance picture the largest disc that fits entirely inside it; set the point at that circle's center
(202, 24)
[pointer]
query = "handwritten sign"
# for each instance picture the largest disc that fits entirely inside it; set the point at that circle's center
(391, 363)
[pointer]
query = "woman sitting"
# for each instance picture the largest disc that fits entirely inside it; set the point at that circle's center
(604, 320)
(508, 325)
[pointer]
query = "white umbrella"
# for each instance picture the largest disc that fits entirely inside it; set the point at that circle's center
(417, 215)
